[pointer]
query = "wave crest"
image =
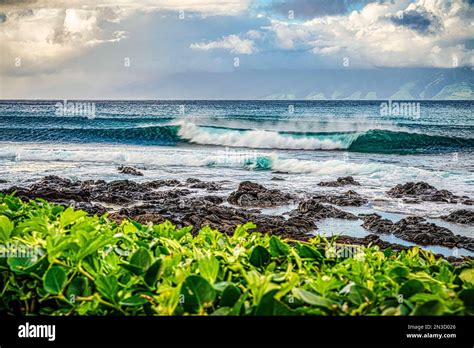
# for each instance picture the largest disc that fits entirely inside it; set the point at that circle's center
(371, 141)
(260, 139)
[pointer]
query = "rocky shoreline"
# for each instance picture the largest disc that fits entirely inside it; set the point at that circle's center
(200, 203)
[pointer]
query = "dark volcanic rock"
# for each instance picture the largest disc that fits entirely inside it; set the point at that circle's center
(214, 199)
(56, 189)
(462, 216)
(417, 230)
(226, 220)
(209, 185)
(147, 217)
(375, 223)
(422, 191)
(52, 188)
(277, 178)
(314, 209)
(342, 181)
(91, 208)
(200, 211)
(163, 183)
(349, 198)
(250, 194)
(129, 170)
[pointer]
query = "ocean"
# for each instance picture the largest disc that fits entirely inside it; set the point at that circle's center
(379, 143)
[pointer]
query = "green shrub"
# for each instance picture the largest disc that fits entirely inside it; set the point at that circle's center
(89, 265)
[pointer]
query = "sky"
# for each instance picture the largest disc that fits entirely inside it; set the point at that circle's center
(123, 49)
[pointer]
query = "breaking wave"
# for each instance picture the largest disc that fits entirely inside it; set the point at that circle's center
(370, 141)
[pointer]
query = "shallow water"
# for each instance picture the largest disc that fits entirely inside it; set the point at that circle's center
(353, 228)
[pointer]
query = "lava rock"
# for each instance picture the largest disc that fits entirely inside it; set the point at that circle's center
(415, 229)
(312, 208)
(250, 194)
(155, 184)
(375, 223)
(56, 189)
(421, 191)
(349, 198)
(209, 185)
(129, 170)
(342, 181)
(462, 216)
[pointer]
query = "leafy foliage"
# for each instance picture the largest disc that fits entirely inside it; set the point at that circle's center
(90, 265)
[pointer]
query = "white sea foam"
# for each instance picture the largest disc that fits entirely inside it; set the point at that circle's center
(260, 139)
(305, 168)
(330, 167)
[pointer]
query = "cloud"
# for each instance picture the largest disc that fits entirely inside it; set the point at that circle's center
(208, 8)
(420, 21)
(45, 33)
(232, 43)
(425, 33)
(47, 37)
(315, 8)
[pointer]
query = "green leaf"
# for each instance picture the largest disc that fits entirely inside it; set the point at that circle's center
(34, 224)
(26, 265)
(467, 275)
(359, 294)
(467, 296)
(241, 231)
(70, 215)
(129, 228)
(133, 301)
(220, 286)
(239, 306)
(388, 252)
(107, 287)
(398, 273)
(78, 287)
(308, 252)
(19, 264)
(132, 268)
(259, 256)
(411, 287)
(92, 246)
(268, 305)
(222, 311)
(151, 276)
(430, 308)
(312, 299)
(209, 268)
(198, 293)
(277, 247)
(141, 258)
(6, 228)
(12, 203)
(230, 296)
(54, 280)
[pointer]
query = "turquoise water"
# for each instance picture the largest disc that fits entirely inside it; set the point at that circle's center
(297, 125)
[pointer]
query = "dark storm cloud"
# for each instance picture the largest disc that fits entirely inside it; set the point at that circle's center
(316, 8)
(422, 22)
